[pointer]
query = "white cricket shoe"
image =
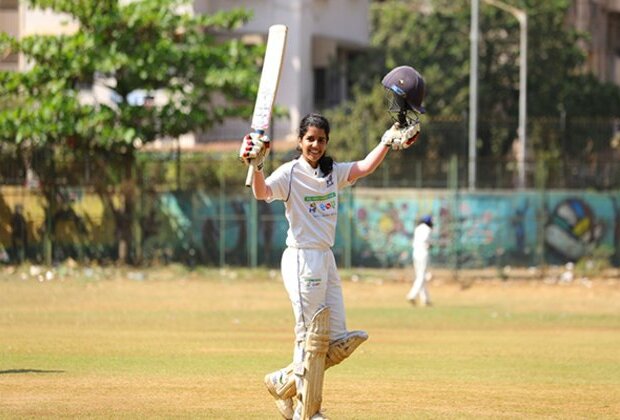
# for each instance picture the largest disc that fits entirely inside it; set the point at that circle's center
(284, 406)
(317, 416)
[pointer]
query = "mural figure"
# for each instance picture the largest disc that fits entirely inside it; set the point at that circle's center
(266, 226)
(210, 241)
(386, 235)
(19, 235)
(616, 256)
(518, 224)
(572, 230)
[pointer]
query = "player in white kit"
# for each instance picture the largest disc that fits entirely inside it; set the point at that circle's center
(421, 246)
(309, 187)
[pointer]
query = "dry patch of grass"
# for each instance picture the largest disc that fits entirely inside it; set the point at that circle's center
(173, 343)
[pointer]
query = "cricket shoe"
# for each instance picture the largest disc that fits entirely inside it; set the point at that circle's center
(284, 405)
(316, 416)
(412, 299)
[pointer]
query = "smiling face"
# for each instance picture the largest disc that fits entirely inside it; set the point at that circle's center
(313, 145)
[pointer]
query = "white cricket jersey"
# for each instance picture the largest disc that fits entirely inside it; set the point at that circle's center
(311, 201)
(421, 239)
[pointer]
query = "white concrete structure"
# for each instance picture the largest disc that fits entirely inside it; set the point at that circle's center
(322, 33)
(18, 21)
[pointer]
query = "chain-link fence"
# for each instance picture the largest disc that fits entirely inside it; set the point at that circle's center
(193, 208)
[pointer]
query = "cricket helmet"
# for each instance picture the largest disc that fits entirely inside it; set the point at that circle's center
(427, 219)
(407, 87)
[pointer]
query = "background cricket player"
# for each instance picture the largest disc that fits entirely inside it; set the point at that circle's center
(421, 245)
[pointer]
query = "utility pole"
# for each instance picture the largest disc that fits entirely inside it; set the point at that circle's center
(473, 93)
(521, 16)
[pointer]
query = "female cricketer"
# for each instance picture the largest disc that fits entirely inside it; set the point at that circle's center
(309, 186)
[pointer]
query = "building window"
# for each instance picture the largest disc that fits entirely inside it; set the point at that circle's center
(9, 4)
(327, 87)
(10, 58)
(319, 88)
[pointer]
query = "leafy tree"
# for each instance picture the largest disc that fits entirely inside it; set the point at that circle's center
(148, 49)
(433, 36)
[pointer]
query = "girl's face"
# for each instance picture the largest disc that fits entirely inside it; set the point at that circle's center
(313, 145)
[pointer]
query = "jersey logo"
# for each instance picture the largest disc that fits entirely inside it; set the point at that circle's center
(321, 205)
(311, 283)
(330, 181)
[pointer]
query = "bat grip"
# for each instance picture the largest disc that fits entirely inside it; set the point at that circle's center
(251, 167)
(250, 176)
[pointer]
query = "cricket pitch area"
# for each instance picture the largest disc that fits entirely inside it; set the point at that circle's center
(170, 343)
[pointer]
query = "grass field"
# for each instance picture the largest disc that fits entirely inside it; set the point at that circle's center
(169, 343)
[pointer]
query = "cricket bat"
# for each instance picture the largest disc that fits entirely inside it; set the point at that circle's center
(268, 86)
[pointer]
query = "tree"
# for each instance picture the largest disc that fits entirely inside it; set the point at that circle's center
(433, 37)
(149, 49)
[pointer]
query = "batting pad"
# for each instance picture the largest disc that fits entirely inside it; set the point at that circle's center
(343, 348)
(286, 387)
(317, 343)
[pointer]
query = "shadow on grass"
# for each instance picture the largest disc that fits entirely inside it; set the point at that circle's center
(10, 371)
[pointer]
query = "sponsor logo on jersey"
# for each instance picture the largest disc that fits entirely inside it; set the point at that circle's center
(310, 283)
(325, 203)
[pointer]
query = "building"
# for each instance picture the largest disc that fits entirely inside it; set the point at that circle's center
(19, 21)
(322, 34)
(601, 19)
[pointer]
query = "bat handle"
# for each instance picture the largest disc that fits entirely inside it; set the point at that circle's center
(251, 167)
(250, 176)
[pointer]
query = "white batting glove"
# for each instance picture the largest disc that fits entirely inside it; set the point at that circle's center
(254, 149)
(400, 138)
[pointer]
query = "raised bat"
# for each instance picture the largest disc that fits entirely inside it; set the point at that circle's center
(268, 86)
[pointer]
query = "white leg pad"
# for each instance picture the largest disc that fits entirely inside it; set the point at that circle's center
(317, 343)
(336, 353)
(343, 348)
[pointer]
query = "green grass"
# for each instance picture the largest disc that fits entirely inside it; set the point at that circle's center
(196, 345)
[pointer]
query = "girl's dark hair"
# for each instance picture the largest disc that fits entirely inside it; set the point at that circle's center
(314, 119)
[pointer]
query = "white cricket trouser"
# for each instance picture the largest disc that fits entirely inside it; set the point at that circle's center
(420, 263)
(312, 281)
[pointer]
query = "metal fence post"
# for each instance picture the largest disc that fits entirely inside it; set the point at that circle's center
(222, 222)
(48, 235)
(453, 185)
(541, 180)
(253, 233)
(348, 228)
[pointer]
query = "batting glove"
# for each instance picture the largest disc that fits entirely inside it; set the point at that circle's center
(254, 149)
(401, 138)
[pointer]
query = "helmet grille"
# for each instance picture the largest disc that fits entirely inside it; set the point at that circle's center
(399, 110)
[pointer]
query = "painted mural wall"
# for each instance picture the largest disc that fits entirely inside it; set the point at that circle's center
(489, 228)
(375, 227)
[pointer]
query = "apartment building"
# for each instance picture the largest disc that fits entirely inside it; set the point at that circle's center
(601, 19)
(322, 34)
(18, 21)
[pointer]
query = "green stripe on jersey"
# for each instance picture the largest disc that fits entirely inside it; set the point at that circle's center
(320, 197)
